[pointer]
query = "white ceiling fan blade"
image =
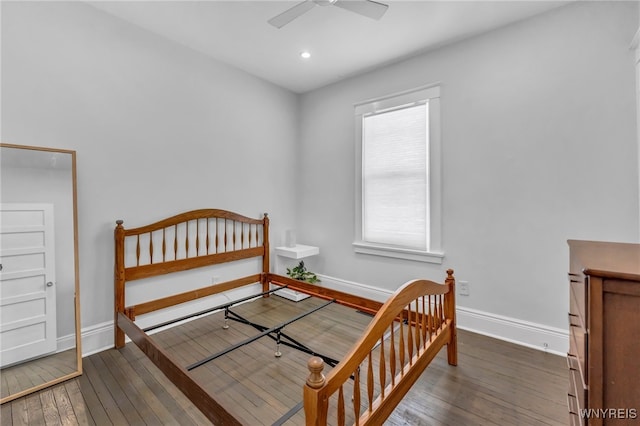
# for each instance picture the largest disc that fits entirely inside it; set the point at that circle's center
(290, 14)
(369, 8)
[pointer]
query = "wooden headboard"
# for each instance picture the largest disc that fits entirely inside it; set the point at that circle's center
(186, 241)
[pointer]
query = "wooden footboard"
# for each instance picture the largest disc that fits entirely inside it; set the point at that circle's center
(400, 342)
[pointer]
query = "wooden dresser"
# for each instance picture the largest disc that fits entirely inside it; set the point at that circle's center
(604, 333)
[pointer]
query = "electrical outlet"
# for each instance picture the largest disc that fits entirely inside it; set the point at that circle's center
(463, 288)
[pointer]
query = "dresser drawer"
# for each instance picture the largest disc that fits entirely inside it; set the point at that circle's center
(574, 420)
(578, 298)
(577, 388)
(574, 413)
(578, 341)
(572, 403)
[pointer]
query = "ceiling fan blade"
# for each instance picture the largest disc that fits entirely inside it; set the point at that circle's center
(290, 14)
(369, 8)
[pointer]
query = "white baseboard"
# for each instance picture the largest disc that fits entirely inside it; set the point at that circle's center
(525, 333)
(64, 343)
(363, 290)
(512, 330)
(100, 337)
(97, 338)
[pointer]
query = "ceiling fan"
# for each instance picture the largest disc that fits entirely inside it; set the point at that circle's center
(369, 8)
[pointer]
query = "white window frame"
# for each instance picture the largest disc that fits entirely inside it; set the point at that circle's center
(433, 253)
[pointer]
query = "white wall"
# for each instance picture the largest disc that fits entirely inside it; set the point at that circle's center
(158, 129)
(539, 146)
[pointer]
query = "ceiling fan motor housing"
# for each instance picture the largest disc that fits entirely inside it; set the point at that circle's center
(369, 8)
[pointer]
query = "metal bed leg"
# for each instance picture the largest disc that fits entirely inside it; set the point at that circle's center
(278, 354)
(226, 318)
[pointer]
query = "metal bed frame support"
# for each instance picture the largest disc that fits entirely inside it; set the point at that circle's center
(224, 306)
(268, 331)
(289, 341)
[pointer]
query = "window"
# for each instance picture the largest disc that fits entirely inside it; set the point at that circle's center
(398, 176)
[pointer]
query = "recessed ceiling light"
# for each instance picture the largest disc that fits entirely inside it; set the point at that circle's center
(305, 55)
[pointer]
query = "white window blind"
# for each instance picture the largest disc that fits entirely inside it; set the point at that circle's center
(395, 177)
(398, 183)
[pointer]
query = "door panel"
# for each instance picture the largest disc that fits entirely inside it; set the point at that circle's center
(27, 280)
(22, 285)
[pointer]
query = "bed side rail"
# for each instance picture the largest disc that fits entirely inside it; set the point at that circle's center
(399, 343)
(346, 299)
(178, 375)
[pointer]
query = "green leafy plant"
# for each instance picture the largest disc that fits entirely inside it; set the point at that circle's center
(300, 273)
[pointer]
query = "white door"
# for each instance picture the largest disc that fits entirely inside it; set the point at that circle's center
(27, 282)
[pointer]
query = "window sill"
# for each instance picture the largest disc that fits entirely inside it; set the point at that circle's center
(399, 253)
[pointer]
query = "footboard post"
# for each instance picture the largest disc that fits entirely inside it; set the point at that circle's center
(450, 312)
(315, 408)
(118, 281)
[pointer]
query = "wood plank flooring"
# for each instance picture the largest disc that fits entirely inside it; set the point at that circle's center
(36, 372)
(495, 382)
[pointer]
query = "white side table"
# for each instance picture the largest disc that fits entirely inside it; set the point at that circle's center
(299, 251)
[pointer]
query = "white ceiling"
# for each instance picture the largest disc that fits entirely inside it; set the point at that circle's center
(341, 42)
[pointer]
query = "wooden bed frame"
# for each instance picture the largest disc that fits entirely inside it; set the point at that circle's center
(403, 337)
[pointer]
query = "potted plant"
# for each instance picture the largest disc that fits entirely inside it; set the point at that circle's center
(300, 273)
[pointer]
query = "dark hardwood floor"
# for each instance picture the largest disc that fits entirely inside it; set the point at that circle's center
(26, 375)
(495, 382)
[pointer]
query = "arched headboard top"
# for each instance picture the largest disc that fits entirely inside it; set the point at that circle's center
(192, 215)
(189, 240)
